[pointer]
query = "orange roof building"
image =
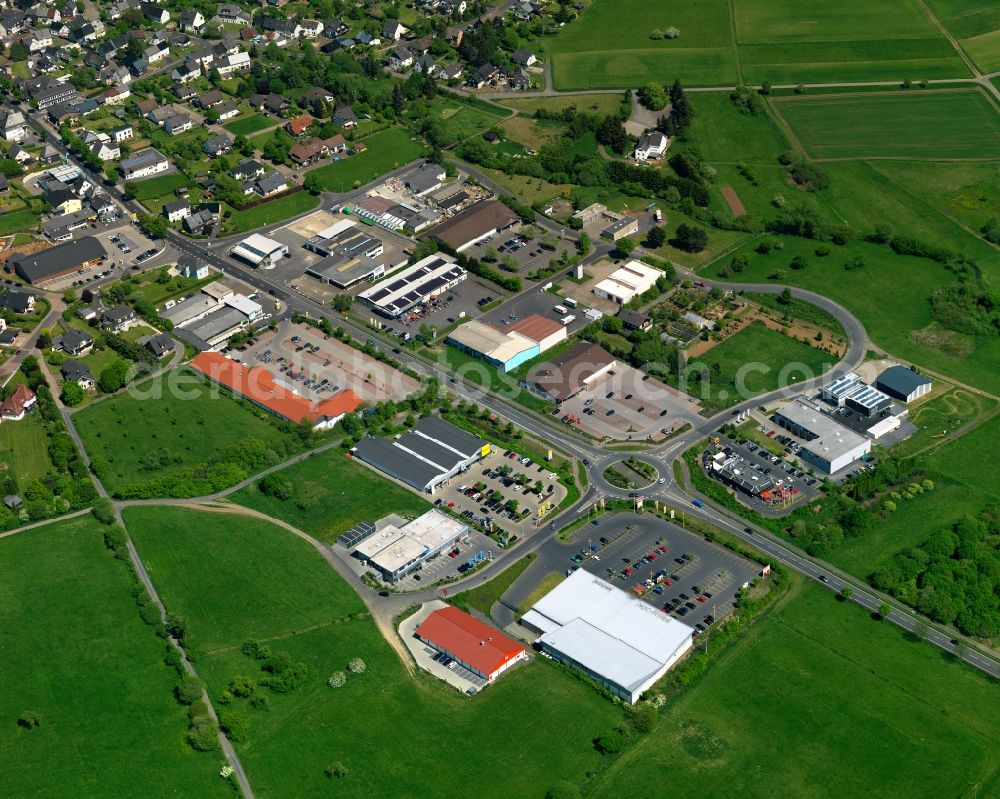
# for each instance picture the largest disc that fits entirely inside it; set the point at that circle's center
(19, 403)
(258, 385)
(299, 125)
(475, 645)
(547, 332)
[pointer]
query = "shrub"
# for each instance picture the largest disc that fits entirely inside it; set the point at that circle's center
(356, 666)
(336, 770)
(277, 486)
(242, 686)
(29, 720)
(611, 742)
(564, 790)
(203, 734)
(188, 690)
(337, 680)
(234, 723)
(256, 650)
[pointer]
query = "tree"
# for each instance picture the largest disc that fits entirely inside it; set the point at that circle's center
(656, 237)
(29, 720)
(188, 690)
(313, 183)
(583, 244)
(336, 770)
(114, 376)
(653, 96)
(611, 742)
(427, 332)
(274, 485)
(884, 610)
(690, 238)
(785, 298)
(154, 225)
(847, 592)
(625, 246)
(343, 302)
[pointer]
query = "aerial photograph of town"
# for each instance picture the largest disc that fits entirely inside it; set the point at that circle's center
(499, 399)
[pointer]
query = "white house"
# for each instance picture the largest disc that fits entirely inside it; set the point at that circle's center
(652, 144)
(122, 133)
(238, 62)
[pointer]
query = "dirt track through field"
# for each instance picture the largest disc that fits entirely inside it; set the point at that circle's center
(733, 201)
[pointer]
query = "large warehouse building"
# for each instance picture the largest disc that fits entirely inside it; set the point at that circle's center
(59, 261)
(431, 453)
(829, 445)
(852, 392)
(259, 251)
(509, 347)
(628, 282)
(413, 286)
(902, 383)
(624, 644)
(351, 253)
(477, 646)
(395, 552)
(482, 220)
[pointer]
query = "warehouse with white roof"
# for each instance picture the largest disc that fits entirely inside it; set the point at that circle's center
(259, 251)
(628, 282)
(624, 644)
(395, 551)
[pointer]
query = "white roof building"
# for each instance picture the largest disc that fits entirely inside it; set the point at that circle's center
(397, 551)
(631, 280)
(621, 642)
(258, 250)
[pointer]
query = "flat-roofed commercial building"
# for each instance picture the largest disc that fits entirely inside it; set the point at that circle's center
(413, 286)
(431, 453)
(350, 254)
(828, 444)
(617, 640)
(259, 251)
(478, 647)
(396, 552)
(59, 261)
(851, 391)
(498, 348)
(628, 282)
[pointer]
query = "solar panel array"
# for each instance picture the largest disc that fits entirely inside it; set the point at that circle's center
(416, 286)
(356, 534)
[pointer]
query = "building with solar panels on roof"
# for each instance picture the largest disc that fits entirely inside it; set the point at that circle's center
(431, 453)
(413, 286)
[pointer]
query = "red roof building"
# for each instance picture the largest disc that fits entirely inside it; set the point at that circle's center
(258, 385)
(299, 125)
(18, 404)
(475, 645)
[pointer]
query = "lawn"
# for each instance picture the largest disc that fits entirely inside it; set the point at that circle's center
(24, 449)
(965, 124)
(386, 151)
(167, 425)
(455, 120)
(545, 585)
(475, 371)
(244, 126)
(601, 104)
(396, 734)
(77, 654)
(18, 222)
(752, 361)
(904, 326)
(940, 416)
(484, 597)
(330, 494)
(610, 46)
(272, 211)
(818, 700)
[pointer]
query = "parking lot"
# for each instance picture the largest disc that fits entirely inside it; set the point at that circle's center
(629, 404)
(445, 310)
(527, 253)
(452, 563)
(120, 259)
(317, 365)
(538, 302)
(787, 476)
(482, 493)
(674, 570)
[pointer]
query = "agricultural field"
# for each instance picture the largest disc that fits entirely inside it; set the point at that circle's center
(270, 212)
(788, 42)
(386, 151)
(962, 488)
(976, 25)
(245, 126)
(770, 355)
(965, 122)
(280, 590)
(169, 424)
(610, 46)
(77, 654)
(845, 704)
(330, 493)
(905, 326)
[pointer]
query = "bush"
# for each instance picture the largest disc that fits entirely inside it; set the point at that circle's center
(356, 666)
(336, 770)
(256, 650)
(188, 690)
(203, 734)
(29, 720)
(337, 680)
(611, 742)
(103, 511)
(564, 790)
(242, 686)
(274, 485)
(234, 723)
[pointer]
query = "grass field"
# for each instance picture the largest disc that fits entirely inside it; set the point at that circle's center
(273, 211)
(941, 416)
(458, 120)
(818, 700)
(533, 133)
(24, 449)
(903, 326)
(387, 150)
(144, 438)
(754, 360)
(76, 653)
(962, 487)
(332, 493)
(965, 124)
(244, 126)
(610, 47)
(381, 723)
(161, 186)
(602, 104)
(18, 221)
(484, 597)
(976, 24)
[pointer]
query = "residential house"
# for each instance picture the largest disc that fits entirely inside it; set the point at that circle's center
(227, 111)
(144, 163)
(74, 342)
(299, 125)
(519, 80)
(393, 30)
(63, 201)
(311, 150)
(232, 14)
(334, 29)
(486, 74)
(524, 58)
(317, 93)
(189, 267)
(217, 145)
(344, 117)
(271, 184)
(13, 126)
(17, 153)
(154, 54)
(425, 64)
(40, 40)
(78, 372)
(147, 107)
(209, 99)
(19, 302)
(160, 344)
(155, 13)
(161, 114)
(184, 92)
(247, 170)
(191, 21)
(186, 72)
(400, 58)
(275, 103)
(450, 71)
(367, 39)
(177, 210)
(310, 28)
(238, 62)
(177, 124)
(18, 404)
(635, 320)
(116, 95)
(199, 222)
(119, 319)
(651, 145)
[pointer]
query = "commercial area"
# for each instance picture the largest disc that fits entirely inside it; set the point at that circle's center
(622, 643)
(209, 318)
(902, 383)
(350, 253)
(257, 385)
(482, 649)
(56, 262)
(829, 445)
(395, 551)
(413, 286)
(259, 251)
(570, 373)
(511, 346)
(625, 284)
(425, 457)
(482, 220)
